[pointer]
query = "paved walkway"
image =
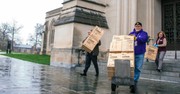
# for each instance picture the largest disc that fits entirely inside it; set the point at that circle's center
(22, 77)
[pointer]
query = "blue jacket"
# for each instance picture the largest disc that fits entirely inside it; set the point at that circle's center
(140, 42)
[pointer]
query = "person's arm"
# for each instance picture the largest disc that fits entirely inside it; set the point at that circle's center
(99, 43)
(131, 34)
(142, 38)
(84, 39)
(164, 43)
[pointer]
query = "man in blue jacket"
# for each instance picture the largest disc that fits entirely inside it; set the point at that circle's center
(140, 39)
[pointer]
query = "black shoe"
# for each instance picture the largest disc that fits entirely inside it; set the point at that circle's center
(113, 92)
(97, 75)
(132, 88)
(159, 70)
(83, 74)
(113, 87)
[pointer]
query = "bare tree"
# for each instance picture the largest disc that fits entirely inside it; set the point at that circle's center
(37, 37)
(4, 30)
(7, 32)
(14, 30)
(5, 27)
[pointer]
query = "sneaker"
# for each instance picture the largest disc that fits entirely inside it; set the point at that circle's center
(83, 74)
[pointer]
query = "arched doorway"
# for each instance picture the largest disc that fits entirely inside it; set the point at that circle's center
(171, 23)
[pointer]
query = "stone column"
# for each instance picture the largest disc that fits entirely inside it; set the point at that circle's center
(118, 15)
(72, 28)
(150, 17)
(44, 38)
(128, 16)
(124, 16)
(157, 17)
(132, 14)
(43, 48)
(149, 13)
(153, 18)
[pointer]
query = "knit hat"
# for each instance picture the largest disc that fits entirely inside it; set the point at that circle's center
(138, 23)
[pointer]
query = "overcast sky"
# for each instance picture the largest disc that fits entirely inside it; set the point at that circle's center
(27, 13)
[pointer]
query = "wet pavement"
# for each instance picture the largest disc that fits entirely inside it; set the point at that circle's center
(22, 77)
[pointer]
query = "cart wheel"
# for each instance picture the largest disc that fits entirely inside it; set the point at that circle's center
(113, 87)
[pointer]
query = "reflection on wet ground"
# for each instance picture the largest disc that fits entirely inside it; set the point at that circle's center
(21, 77)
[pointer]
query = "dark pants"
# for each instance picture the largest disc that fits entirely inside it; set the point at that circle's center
(8, 51)
(90, 57)
(159, 59)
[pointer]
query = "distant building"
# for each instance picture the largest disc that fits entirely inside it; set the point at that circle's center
(23, 48)
(66, 27)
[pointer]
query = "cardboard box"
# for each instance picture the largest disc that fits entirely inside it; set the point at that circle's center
(89, 44)
(151, 52)
(121, 47)
(115, 46)
(122, 37)
(97, 33)
(122, 43)
(132, 72)
(123, 56)
(111, 72)
(91, 41)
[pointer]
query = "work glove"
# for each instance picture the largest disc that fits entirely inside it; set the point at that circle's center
(134, 36)
(155, 45)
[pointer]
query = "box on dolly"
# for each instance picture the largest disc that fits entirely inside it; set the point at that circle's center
(120, 64)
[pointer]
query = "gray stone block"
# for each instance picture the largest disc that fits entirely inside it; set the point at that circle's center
(171, 74)
(176, 69)
(146, 71)
(154, 72)
(170, 79)
(155, 77)
(145, 75)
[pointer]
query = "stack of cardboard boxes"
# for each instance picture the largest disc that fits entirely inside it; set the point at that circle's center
(91, 41)
(121, 47)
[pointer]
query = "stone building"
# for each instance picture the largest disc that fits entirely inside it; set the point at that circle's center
(67, 26)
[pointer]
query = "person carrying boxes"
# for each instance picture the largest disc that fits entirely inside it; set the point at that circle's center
(140, 39)
(91, 56)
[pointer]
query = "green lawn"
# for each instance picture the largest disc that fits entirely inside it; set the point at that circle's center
(40, 59)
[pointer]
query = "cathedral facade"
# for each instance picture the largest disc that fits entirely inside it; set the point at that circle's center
(67, 26)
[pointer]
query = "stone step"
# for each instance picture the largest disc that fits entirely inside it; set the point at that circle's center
(171, 55)
(170, 72)
(163, 73)
(160, 78)
(167, 67)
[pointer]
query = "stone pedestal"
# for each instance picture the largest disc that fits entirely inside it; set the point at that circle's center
(78, 17)
(64, 57)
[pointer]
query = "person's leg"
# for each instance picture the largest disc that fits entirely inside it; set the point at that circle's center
(147, 60)
(87, 64)
(94, 59)
(7, 51)
(161, 57)
(139, 60)
(157, 60)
